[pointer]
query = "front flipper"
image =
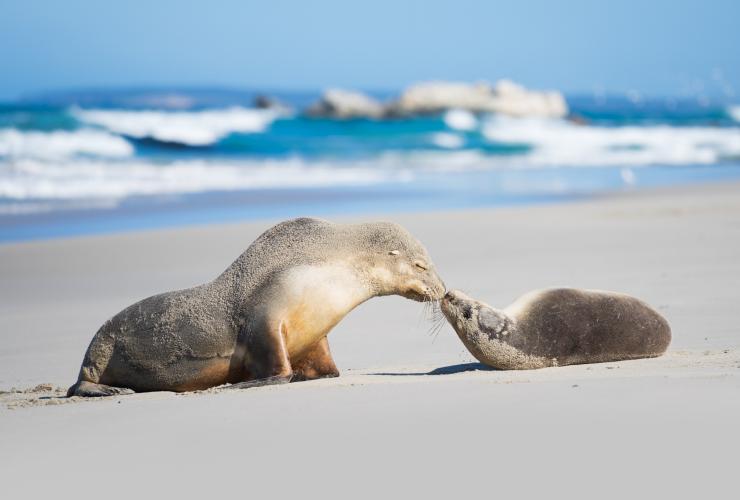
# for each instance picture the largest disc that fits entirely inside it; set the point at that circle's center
(493, 323)
(248, 384)
(92, 390)
(317, 363)
(266, 360)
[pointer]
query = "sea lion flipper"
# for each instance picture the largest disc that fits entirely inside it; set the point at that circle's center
(87, 389)
(317, 363)
(267, 361)
(275, 380)
(492, 322)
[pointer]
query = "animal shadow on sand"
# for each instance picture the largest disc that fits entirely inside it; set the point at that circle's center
(443, 370)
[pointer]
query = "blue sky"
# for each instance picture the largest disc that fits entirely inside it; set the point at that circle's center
(655, 47)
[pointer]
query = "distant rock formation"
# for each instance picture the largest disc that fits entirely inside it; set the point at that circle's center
(262, 101)
(344, 104)
(505, 97)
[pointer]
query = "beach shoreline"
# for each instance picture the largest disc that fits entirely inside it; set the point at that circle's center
(668, 424)
(414, 191)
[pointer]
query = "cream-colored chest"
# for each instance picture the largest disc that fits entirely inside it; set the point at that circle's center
(313, 300)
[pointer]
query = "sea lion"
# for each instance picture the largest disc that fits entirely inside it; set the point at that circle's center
(265, 319)
(555, 327)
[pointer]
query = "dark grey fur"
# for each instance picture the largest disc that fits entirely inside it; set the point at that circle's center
(555, 327)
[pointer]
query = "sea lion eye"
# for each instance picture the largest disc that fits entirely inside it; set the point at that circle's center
(421, 265)
(467, 312)
(393, 252)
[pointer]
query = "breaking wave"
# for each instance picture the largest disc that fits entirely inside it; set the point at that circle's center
(110, 158)
(193, 128)
(563, 143)
(734, 112)
(94, 179)
(446, 140)
(460, 119)
(62, 144)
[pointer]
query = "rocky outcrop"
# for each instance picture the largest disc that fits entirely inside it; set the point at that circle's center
(505, 97)
(344, 104)
(262, 101)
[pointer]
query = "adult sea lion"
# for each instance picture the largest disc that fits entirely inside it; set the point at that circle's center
(562, 326)
(265, 319)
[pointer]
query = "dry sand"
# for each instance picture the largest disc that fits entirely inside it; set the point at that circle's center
(666, 427)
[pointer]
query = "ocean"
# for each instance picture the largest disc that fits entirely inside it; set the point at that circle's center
(106, 161)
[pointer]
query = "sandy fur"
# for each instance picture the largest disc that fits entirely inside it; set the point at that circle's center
(295, 282)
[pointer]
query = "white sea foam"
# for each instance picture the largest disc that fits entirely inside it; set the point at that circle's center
(460, 119)
(562, 143)
(23, 207)
(734, 112)
(62, 144)
(90, 179)
(447, 140)
(194, 128)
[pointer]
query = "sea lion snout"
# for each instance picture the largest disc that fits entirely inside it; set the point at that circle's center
(423, 284)
(457, 306)
(454, 298)
(437, 287)
(421, 291)
(447, 302)
(449, 299)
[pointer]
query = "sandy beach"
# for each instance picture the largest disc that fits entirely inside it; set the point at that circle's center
(412, 414)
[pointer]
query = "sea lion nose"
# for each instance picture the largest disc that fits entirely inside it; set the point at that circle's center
(450, 296)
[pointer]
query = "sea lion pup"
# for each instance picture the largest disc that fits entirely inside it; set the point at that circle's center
(554, 327)
(265, 319)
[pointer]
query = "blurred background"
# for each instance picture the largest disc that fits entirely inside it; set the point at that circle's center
(156, 114)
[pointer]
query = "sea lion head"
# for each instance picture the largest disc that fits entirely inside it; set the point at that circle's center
(472, 318)
(400, 265)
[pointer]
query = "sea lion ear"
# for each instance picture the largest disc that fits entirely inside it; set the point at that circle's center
(394, 252)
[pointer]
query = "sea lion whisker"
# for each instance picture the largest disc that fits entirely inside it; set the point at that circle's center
(426, 301)
(426, 310)
(436, 327)
(423, 314)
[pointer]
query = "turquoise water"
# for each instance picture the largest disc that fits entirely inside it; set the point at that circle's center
(74, 164)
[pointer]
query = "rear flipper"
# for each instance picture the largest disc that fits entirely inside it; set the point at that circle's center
(91, 390)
